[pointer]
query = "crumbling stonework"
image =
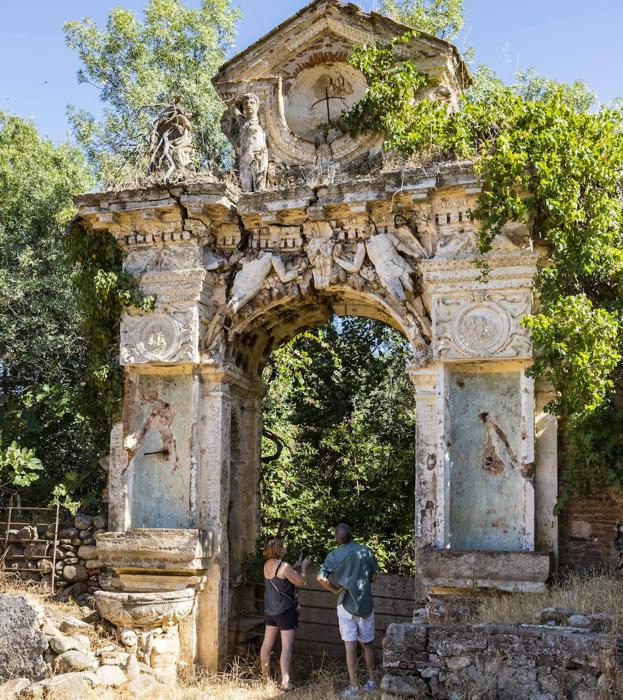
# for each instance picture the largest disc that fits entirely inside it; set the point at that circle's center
(30, 553)
(497, 661)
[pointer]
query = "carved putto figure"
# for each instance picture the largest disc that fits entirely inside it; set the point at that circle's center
(393, 271)
(255, 269)
(249, 139)
(171, 143)
(162, 651)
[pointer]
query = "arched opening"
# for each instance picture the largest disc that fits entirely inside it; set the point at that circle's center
(338, 441)
(335, 410)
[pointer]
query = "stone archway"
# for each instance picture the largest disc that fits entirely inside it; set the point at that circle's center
(327, 227)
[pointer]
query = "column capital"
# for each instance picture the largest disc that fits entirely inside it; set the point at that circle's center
(424, 380)
(544, 392)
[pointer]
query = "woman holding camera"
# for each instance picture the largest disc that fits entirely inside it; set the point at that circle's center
(281, 606)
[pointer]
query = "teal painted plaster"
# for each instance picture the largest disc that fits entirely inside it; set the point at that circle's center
(161, 468)
(487, 489)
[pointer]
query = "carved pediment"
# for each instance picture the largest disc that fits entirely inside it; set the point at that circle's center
(301, 75)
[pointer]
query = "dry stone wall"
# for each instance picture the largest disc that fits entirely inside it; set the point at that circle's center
(498, 661)
(30, 553)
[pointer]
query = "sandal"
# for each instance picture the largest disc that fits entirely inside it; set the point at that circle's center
(288, 689)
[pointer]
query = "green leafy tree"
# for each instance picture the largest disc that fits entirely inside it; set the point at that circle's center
(139, 64)
(42, 352)
(443, 18)
(544, 157)
(340, 408)
(18, 466)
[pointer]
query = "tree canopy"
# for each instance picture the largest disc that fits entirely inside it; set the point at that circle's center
(340, 408)
(140, 64)
(42, 353)
(443, 18)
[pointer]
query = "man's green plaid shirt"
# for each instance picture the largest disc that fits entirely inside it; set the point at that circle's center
(352, 566)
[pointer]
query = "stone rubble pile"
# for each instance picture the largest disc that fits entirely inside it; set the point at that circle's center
(49, 656)
(30, 553)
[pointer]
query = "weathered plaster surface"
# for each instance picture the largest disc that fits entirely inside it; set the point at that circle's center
(161, 444)
(490, 484)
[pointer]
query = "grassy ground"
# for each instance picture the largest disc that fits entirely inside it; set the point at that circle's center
(585, 594)
(324, 679)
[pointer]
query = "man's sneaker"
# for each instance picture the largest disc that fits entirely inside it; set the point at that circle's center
(350, 693)
(369, 686)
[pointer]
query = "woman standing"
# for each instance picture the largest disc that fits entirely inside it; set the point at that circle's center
(281, 606)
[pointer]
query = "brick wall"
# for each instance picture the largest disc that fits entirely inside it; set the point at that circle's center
(591, 532)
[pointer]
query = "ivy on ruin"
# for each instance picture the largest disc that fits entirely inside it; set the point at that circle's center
(104, 291)
(546, 158)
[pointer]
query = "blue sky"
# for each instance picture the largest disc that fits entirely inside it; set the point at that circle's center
(565, 39)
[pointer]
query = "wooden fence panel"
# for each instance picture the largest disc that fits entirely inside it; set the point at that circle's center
(318, 632)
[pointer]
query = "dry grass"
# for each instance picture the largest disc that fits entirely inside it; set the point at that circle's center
(323, 680)
(585, 594)
(242, 681)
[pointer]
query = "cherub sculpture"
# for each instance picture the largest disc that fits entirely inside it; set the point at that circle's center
(171, 143)
(242, 124)
(393, 270)
(255, 269)
(319, 248)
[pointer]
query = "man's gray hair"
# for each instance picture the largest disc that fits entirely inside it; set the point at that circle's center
(343, 534)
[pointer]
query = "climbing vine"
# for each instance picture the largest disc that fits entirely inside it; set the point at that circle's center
(545, 158)
(104, 290)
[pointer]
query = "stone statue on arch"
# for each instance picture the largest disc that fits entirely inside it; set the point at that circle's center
(171, 149)
(242, 124)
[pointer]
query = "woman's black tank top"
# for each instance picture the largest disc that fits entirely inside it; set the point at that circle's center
(279, 595)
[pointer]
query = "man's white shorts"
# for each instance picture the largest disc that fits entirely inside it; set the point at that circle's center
(353, 629)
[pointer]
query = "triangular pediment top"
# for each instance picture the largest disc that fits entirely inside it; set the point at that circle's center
(319, 20)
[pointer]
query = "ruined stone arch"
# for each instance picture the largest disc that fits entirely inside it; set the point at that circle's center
(304, 228)
(265, 328)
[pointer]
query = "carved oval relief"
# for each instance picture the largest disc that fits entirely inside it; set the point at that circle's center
(159, 339)
(481, 328)
(320, 95)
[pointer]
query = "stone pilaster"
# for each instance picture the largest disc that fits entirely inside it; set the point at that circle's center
(546, 471)
(429, 507)
(212, 515)
(118, 496)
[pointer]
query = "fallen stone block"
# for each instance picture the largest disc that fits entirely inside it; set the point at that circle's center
(145, 687)
(75, 661)
(22, 643)
(11, 689)
(110, 676)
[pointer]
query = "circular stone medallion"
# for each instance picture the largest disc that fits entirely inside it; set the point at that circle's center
(481, 328)
(159, 339)
(320, 95)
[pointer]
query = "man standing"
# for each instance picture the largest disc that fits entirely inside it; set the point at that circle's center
(353, 568)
